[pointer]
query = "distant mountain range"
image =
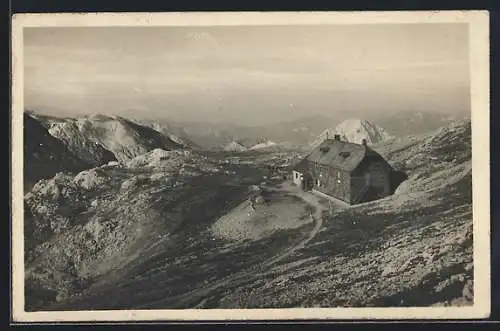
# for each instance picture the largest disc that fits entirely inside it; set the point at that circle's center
(54, 144)
(174, 133)
(401, 124)
(241, 146)
(354, 130)
(300, 132)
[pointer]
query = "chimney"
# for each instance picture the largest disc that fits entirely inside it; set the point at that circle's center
(336, 137)
(363, 142)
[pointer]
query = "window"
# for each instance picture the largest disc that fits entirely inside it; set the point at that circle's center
(345, 154)
(324, 149)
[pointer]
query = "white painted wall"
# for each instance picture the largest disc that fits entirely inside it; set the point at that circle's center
(297, 178)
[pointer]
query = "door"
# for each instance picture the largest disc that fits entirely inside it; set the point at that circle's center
(308, 182)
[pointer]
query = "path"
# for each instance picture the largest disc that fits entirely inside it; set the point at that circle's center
(244, 275)
(312, 200)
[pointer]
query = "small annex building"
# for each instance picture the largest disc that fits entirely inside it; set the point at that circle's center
(353, 173)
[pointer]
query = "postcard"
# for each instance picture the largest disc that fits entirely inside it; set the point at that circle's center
(247, 166)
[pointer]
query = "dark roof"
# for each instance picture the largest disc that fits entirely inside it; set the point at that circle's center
(301, 165)
(341, 155)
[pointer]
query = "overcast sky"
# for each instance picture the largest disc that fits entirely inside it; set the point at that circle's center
(247, 75)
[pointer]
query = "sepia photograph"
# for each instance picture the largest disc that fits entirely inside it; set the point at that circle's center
(239, 166)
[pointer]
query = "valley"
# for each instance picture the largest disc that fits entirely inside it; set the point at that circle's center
(166, 225)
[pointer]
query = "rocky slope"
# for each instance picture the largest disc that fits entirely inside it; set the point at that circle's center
(124, 138)
(138, 235)
(354, 130)
(45, 155)
(94, 137)
(174, 133)
(88, 150)
(78, 228)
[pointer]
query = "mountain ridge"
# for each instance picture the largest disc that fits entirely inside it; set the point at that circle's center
(45, 155)
(95, 136)
(354, 130)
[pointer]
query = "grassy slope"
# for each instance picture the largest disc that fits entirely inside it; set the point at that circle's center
(374, 256)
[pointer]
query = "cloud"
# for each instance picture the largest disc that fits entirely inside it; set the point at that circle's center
(257, 67)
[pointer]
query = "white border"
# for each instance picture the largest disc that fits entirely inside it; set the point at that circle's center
(478, 22)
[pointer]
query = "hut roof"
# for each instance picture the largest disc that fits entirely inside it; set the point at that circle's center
(338, 154)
